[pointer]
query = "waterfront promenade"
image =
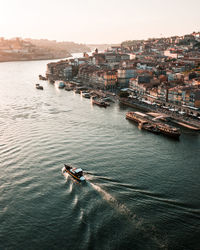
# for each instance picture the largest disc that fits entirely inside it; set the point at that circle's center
(182, 120)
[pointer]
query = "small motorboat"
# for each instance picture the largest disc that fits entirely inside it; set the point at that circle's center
(100, 103)
(86, 95)
(42, 78)
(77, 91)
(68, 88)
(76, 173)
(61, 85)
(108, 99)
(38, 86)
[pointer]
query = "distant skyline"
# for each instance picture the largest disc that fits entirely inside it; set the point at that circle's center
(98, 21)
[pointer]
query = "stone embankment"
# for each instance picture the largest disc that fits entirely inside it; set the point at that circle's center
(182, 120)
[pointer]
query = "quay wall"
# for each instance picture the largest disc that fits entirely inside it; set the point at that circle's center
(133, 105)
(173, 118)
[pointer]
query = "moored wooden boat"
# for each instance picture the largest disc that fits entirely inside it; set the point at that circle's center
(61, 85)
(151, 128)
(43, 78)
(169, 130)
(100, 103)
(38, 86)
(86, 95)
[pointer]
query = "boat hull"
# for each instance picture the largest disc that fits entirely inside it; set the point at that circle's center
(64, 170)
(39, 87)
(170, 134)
(154, 127)
(104, 105)
(132, 118)
(151, 129)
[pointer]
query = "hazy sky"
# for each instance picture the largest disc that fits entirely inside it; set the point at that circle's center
(98, 21)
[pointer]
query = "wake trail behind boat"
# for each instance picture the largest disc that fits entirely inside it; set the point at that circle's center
(136, 221)
(120, 207)
(100, 177)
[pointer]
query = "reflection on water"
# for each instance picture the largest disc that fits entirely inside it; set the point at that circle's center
(142, 190)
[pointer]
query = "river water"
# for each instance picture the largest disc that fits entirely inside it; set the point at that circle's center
(142, 190)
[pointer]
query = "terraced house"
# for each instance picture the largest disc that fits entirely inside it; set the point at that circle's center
(185, 95)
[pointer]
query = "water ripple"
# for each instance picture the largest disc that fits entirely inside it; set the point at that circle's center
(142, 190)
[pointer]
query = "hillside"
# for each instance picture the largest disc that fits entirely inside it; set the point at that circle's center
(18, 49)
(71, 47)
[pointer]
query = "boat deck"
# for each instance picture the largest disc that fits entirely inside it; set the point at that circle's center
(156, 115)
(186, 125)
